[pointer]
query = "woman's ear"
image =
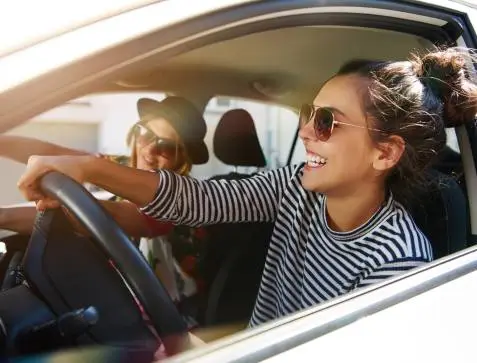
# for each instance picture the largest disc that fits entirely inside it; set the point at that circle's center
(388, 153)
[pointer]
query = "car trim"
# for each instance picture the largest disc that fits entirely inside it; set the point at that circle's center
(467, 140)
(470, 173)
(286, 333)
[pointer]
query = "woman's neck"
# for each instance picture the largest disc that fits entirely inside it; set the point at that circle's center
(346, 213)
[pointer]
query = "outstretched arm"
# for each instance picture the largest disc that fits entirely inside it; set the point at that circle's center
(18, 219)
(188, 201)
(165, 195)
(19, 148)
(126, 214)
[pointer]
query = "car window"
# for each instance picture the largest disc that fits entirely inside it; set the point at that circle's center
(452, 140)
(275, 126)
(99, 123)
(94, 123)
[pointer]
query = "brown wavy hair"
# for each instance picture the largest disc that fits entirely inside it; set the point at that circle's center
(416, 99)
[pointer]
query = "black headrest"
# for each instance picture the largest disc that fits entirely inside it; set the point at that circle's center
(236, 141)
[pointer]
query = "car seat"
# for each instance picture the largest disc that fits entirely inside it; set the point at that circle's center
(441, 209)
(236, 253)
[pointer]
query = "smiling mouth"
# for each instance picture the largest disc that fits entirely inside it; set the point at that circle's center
(315, 160)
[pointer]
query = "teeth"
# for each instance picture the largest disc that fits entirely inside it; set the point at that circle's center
(315, 160)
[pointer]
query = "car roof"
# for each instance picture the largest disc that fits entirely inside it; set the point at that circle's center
(26, 28)
(258, 78)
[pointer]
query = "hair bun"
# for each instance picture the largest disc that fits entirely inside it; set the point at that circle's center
(445, 74)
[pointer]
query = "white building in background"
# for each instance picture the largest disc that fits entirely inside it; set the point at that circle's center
(99, 123)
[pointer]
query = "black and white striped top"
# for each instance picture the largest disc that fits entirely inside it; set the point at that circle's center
(307, 262)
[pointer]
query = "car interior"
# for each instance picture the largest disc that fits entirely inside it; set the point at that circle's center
(283, 66)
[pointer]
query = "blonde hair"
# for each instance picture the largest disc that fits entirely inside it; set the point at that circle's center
(183, 163)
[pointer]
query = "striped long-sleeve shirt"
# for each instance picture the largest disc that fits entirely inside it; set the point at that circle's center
(307, 262)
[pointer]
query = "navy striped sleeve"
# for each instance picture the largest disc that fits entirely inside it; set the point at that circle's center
(391, 269)
(188, 201)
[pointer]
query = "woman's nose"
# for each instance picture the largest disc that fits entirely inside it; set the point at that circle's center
(307, 131)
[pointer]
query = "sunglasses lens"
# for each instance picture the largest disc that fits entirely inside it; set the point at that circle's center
(324, 120)
(166, 148)
(143, 133)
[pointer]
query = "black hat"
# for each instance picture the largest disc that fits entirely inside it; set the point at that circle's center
(184, 117)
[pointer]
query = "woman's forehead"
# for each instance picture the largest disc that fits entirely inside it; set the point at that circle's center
(344, 94)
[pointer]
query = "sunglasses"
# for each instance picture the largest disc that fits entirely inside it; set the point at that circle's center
(166, 148)
(323, 121)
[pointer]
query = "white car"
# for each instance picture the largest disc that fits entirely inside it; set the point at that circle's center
(270, 50)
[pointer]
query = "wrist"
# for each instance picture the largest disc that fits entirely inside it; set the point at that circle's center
(91, 168)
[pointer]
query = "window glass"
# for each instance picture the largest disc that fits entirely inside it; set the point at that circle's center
(94, 123)
(452, 140)
(222, 102)
(275, 125)
(100, 122)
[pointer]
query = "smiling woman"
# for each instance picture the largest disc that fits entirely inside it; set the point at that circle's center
(169, 136)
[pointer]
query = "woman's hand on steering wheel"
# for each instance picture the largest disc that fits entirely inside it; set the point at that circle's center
(29, 183)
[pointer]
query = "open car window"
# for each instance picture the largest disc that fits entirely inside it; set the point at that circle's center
(274, 124)
(96, 123)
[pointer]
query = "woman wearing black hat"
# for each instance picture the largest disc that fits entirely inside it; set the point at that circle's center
(169, 135)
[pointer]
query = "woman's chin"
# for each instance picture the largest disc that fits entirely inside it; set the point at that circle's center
(311, 184)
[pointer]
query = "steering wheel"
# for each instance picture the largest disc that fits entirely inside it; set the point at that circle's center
(112, 241)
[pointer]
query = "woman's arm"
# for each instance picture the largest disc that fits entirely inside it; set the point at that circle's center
(20, 148)
(126, 214)
(18, 219)
(133, 221)
(192, 202)
(165, 195)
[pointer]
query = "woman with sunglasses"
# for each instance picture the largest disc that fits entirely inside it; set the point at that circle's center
(340, 220)
(168, 136)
